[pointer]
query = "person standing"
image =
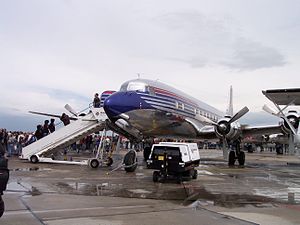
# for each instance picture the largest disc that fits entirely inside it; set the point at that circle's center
(65, 119)
(96, 102)
(52, 125)
(46, 128)
(39, 132)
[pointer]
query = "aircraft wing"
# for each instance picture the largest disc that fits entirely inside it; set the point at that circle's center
(208, 132)
(51, 115)
(283, 96)
(261, 130)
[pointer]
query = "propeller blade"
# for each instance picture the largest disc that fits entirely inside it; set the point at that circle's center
(239, 114)
(70, 109)
(269, 110)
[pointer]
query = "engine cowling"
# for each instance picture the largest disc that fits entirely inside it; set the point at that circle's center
(293, 118)
(231, 131)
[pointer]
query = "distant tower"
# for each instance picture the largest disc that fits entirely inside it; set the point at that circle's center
(229, 110)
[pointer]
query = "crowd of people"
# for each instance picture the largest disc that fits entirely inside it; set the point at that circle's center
(13, 141)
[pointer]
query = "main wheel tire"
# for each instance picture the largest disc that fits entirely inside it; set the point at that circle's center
(94, 163)
(146, 153)
(155, 176)
(34, 159)
(231, 158)
(241, 158)
(130, 161)
(109, 161)
(195, 174)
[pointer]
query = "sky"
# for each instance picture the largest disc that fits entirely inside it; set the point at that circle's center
(54, 52)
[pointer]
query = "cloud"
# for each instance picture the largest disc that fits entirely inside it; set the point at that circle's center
(250, 55)
(202, 40)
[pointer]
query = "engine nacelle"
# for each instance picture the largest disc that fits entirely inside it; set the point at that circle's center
(229, 131)
(293, 118)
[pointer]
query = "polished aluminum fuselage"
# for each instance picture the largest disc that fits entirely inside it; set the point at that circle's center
(158, 110)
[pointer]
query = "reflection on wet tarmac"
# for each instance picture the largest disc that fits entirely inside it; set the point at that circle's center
(31, 169)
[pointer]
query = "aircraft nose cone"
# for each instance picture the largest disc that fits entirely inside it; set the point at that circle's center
(121, 102)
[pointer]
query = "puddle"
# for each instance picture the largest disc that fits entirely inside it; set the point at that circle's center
(228, 200)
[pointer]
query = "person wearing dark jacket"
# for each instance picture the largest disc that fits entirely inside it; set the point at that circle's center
(65, 119)
(46, 128)
(96, 102)
(39, 132)
(52, 125)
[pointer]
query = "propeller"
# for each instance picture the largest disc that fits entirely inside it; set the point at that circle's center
(280, 114)
(70, 109)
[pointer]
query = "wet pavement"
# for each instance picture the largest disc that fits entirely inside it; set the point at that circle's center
(265, 191)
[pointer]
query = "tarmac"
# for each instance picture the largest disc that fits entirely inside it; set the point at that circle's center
(264, 191)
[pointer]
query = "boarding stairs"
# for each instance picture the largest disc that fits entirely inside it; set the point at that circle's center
(41, 150)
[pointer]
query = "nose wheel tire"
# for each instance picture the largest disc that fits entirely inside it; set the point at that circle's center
(130, 161)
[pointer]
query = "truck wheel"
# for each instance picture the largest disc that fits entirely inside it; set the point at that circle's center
(1, 206)
(231, 158)
(155, 176)
(241, 158)
(146, 153)
(195, 174)
(34, 159)
(94, 163)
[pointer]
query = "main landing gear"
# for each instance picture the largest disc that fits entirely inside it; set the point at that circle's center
(236, 155)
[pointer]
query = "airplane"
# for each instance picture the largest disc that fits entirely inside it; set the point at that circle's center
(286, 97)
(150, 109)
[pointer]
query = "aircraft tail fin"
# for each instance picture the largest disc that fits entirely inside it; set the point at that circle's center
(229, 110)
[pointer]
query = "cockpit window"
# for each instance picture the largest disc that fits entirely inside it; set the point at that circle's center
(133, 86)
(124, 87)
